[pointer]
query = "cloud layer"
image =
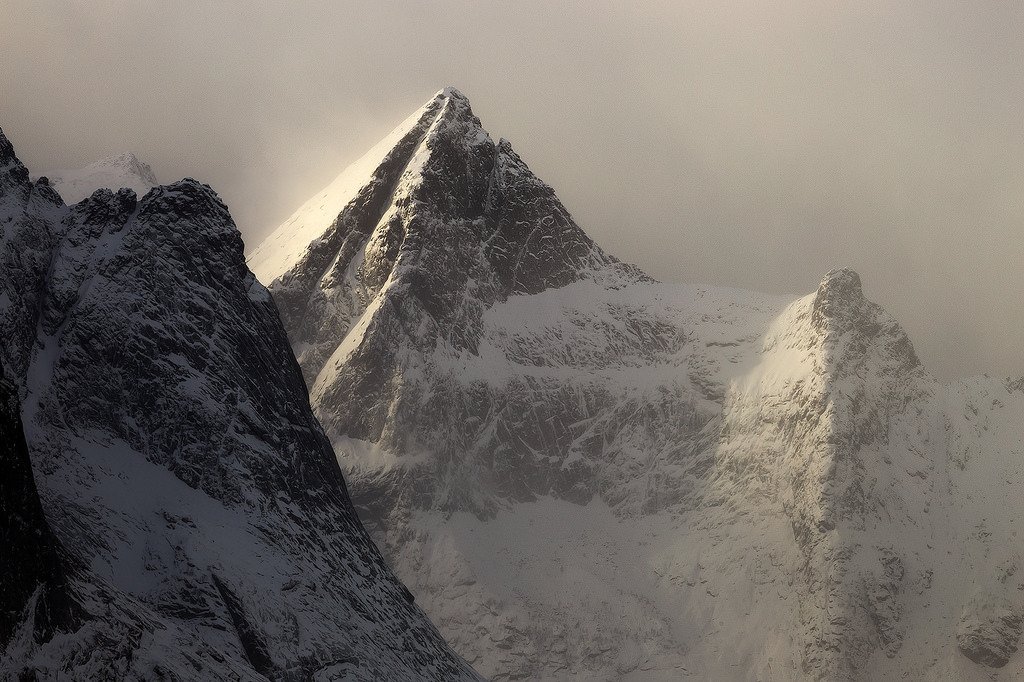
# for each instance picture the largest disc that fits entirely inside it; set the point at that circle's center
(746, 144)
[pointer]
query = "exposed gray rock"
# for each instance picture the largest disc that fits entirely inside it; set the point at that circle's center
(990, 635)
(177, 458)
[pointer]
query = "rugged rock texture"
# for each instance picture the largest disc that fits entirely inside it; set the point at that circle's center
(177, 458)
(989, 635)
(808, 430)
(585, 474)
(445, 224)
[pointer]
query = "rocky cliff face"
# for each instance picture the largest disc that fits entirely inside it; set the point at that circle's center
(35, 586)
(445, 224)
(193, 499)
(585, 473)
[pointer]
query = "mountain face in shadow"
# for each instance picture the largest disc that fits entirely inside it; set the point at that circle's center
(199, 525)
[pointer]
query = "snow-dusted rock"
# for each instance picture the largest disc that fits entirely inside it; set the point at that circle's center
(585, 474)
(205, 523)
(445, 225)
(989, 634)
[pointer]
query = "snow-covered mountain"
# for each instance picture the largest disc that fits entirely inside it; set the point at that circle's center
(113, 173)
(187, 518)
(586, 474)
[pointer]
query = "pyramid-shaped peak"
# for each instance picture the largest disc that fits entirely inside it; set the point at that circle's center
(438, 168)
(450, 104)
(450, 92)
(453, 105)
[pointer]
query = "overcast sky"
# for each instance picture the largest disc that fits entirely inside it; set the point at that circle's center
(750, 144)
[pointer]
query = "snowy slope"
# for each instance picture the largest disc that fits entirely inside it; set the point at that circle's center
(113, 173)
(201, 518)
(585, 474)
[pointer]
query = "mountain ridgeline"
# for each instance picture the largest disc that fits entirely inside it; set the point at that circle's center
(171, 507)
(585, 473)
(445, 224)
(578, 471)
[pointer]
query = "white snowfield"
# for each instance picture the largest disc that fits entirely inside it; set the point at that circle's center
(113, 173)
(607, 478)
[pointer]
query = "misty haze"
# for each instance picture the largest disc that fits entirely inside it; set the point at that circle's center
(547, 341)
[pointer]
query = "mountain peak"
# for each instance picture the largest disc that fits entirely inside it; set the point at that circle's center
(126, 161)
(839, 298)
(435, 224)
(841, 282)
(112, 172)
(451, 92)
(439, 159)
(840, 310)
(840, 286)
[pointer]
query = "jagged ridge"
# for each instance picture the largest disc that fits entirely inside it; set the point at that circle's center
(752, 487)
(177, 456)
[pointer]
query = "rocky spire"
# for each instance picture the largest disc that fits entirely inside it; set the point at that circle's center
(437, 207)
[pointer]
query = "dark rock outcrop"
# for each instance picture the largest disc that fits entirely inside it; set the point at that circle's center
(34, 589)
(177, 457)
(989, 636)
